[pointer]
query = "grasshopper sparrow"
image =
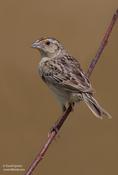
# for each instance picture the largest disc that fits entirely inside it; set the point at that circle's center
(64, 75)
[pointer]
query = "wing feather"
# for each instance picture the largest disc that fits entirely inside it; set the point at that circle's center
(65, 72)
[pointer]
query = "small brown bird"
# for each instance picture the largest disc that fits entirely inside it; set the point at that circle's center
(64, 75)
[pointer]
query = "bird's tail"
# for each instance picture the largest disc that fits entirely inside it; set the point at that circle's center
(94, 106)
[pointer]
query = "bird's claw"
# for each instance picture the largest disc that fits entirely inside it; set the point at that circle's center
(53, 129)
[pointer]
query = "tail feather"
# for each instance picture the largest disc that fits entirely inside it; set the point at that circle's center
(94, 106)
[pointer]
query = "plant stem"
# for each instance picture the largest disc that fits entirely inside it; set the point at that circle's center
(102, 44)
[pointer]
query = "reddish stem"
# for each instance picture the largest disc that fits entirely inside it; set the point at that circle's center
(102, 44)
(51, 137)
(53, 134)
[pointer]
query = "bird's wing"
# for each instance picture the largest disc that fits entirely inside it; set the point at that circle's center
(66, 73)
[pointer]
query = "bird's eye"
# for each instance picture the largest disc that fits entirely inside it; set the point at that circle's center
(47, 43)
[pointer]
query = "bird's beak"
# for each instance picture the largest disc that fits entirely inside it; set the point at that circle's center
(36, 44)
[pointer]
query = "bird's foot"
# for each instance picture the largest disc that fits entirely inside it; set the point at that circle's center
(72, 105)
(53, 129)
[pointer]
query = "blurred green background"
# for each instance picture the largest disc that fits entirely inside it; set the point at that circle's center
(28, 109)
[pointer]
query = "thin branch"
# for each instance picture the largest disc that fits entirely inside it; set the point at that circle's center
(59, 124)
(102, 44)
(50, 138)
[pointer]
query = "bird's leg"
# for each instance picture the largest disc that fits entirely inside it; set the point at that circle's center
(61, 119)
(72, 105)
(55, 127)
(63, 108)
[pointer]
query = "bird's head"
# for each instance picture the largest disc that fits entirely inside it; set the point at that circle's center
(48, 47)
